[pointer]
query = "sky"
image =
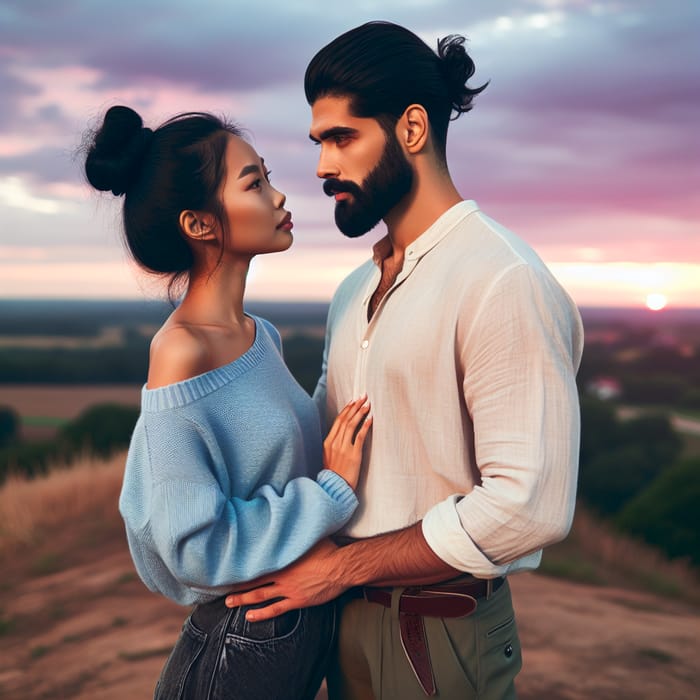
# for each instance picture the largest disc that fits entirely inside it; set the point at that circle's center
(585, 143)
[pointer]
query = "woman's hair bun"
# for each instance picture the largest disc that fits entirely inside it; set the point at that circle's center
(457, 67)
(116, 151)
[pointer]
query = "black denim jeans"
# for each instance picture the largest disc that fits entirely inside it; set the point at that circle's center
(221, 656)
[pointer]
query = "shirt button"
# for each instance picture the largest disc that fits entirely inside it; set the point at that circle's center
(365, 344)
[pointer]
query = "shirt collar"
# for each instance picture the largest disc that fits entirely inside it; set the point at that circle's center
(431, 236)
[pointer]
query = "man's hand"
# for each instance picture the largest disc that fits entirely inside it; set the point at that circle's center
(308, 581)
(399, 558)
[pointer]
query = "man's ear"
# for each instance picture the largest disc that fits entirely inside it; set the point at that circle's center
(197, 226)
(413, 129)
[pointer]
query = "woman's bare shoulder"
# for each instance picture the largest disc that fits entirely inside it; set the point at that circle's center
(178, 352)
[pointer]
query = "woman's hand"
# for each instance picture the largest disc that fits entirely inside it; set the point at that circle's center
(342, 448)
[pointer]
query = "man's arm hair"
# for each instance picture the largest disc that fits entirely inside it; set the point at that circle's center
(399, 558)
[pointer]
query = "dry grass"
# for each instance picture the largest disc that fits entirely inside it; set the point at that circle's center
(636, 560)
(32, 509)
(36, 512)
(596, 553)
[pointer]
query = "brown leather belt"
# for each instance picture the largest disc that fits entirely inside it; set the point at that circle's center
(456, 598)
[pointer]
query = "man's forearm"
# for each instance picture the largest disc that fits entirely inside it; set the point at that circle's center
(398, 558)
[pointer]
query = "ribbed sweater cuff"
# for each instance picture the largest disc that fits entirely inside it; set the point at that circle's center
(338, 489)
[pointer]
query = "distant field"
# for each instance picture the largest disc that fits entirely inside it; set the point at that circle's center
(44, 407)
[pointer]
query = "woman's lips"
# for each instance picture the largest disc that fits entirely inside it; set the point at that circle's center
(286, 223)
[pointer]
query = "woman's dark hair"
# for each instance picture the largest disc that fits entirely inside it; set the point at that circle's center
(384, 68)
(179, 166)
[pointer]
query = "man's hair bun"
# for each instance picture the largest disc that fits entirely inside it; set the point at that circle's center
(117, 150)
(457, 68)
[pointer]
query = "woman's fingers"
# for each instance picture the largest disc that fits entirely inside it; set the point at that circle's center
(351, 421)
(340, 424)
(342, 448)
(362, 432)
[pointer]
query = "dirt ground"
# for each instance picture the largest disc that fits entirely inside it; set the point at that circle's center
(93, 631)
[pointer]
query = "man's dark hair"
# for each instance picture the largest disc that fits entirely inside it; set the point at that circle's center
(383, 68)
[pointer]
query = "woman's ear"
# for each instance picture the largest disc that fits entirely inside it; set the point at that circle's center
(197, 226)
(413, 128)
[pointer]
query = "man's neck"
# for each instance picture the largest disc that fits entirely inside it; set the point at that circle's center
(428, 200)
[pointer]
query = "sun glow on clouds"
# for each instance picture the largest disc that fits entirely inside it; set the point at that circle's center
(309, 274)
(74, 280)
(314, 274)
(301, 274)
(629, 284)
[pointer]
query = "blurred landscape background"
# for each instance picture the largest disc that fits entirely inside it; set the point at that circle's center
(585, 144)
(70, 381)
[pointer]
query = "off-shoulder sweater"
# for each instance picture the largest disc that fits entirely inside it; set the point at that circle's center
(223, 480)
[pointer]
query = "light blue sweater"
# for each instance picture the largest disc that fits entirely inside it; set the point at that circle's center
(222, 480)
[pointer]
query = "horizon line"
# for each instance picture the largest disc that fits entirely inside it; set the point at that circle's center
(156, 300)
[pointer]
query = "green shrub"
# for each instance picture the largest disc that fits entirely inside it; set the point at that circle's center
(9, 425)
(666, 514)
(612, 478)
(33, 458)
(619, 459)
(690, 399)
(101, 430)
(600, 429)
(655, 435)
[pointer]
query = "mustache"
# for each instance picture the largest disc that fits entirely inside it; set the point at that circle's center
(332, 187)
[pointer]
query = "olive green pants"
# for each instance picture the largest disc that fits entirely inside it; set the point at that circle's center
(472, 657)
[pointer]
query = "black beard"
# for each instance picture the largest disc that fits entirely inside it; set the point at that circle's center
(385, 186)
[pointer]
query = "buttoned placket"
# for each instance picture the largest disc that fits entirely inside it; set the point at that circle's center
(367, 328)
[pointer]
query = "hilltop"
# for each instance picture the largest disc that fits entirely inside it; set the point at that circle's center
(75, 622)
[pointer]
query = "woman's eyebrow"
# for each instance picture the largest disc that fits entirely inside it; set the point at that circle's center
(248, 169)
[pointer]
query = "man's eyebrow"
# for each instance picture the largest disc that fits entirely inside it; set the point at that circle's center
(252, 168)
(333, 132)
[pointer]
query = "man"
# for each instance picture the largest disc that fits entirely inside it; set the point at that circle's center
(467, 349)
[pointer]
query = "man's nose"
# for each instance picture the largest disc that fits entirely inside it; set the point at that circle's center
(326, 167)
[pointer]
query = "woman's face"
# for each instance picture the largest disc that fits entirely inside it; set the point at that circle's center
(253, 208)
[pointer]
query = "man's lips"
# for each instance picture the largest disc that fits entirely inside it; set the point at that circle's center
(338, 190)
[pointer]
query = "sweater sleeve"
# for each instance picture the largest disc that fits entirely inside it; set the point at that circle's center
(208, 539)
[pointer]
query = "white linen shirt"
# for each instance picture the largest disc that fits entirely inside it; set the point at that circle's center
(469, 363)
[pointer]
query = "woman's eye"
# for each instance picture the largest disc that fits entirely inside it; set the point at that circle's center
(256, 184)
(268, 174)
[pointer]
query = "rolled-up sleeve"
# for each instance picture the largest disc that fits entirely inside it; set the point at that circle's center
(519, 355)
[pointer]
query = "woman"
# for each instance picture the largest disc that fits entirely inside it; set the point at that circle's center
(226, 477)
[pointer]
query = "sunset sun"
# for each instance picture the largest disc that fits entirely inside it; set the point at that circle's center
(656, 301)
